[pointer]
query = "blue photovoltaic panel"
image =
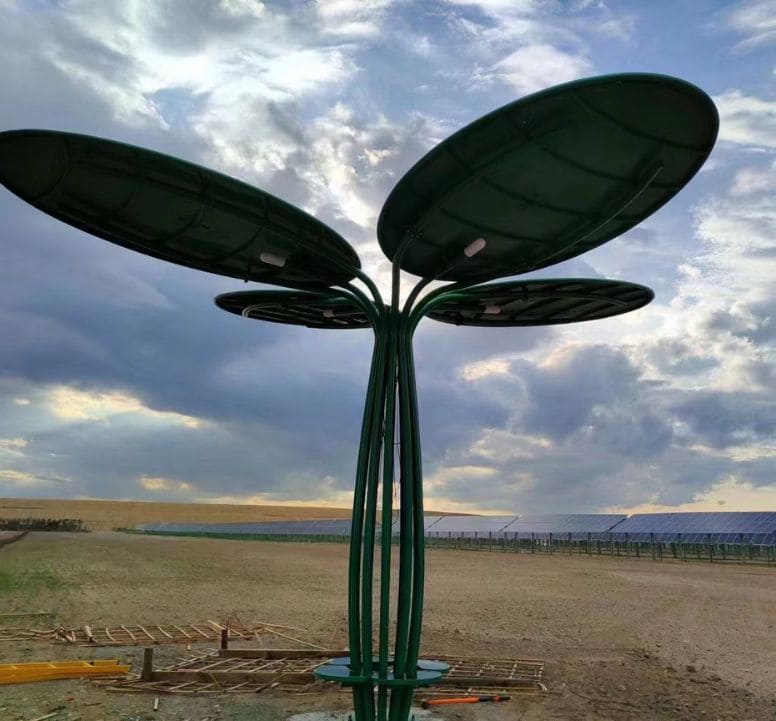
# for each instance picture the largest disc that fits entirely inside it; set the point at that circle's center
(755, 527)
(560, 525)
(467, 526)
(429, 523)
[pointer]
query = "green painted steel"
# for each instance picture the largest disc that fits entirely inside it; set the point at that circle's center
(314, 310)
(171, 209)
(540, 302)
(539, 181)
(550, 176)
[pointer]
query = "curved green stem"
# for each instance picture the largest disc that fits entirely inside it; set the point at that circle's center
(380, 384)
(387, 512)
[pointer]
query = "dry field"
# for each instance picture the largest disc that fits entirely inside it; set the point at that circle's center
(105, 515)
(99, 515)
(623, 639)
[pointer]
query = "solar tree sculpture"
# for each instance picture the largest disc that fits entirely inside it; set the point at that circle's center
(536, 182)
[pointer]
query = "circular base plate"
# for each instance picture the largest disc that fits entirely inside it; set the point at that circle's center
(338, 669)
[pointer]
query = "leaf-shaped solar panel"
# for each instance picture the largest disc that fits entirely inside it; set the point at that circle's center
(540, 302)
(171, 209)
(314, 310)
(549, 176)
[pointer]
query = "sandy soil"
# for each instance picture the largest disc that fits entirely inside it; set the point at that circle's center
(622, 638)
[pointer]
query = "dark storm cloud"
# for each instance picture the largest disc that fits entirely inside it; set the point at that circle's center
(726, 419)
(249, 459)
(186, 26)
(609, 433)
(678, 357)
(39, 88)
(95, 317)
(631, 429)
(755, 321)
(578, 428)
(562, 395)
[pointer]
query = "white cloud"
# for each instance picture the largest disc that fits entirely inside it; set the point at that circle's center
(714, 334)
(13, 446)
(502, 6)
(729, 494)
(72, 404)
(159, 483)
(19, 478)
(750, 180)
(739, 237)
(327, 492)
(755, 20)
(534, 67)
(622, 28)
(506, 446)
(484, 368)
(23, 479)
(746, 119)
(280, 95)
(13, 443)
(243, 8)
(351, 18)
(440, 488)
(231, 60)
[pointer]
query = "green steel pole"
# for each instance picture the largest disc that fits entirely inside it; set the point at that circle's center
(378, 387)
(387, 513)
(361, 694)
(401, 694)
(416, 618)
(413, 521)
(404, 590)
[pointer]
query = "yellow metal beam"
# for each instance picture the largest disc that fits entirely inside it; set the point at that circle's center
(51, 670)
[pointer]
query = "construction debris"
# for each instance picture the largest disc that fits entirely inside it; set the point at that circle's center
(52, 670)
(426, 703)
(254, 670)
(146, 634)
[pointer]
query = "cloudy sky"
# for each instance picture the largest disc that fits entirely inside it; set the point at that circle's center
(120, 379)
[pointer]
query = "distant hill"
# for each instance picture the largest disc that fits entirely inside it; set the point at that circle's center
(104, 515)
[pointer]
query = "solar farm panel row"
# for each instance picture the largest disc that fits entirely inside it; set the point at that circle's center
(730, 527)
(533, 526)
(757, 528)
(469, 525)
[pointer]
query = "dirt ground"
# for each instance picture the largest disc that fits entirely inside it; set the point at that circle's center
(623, 639)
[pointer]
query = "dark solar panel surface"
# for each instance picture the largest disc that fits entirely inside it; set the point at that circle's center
(560, 525)
(466, 526)
(428, 524)
(756, 527)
